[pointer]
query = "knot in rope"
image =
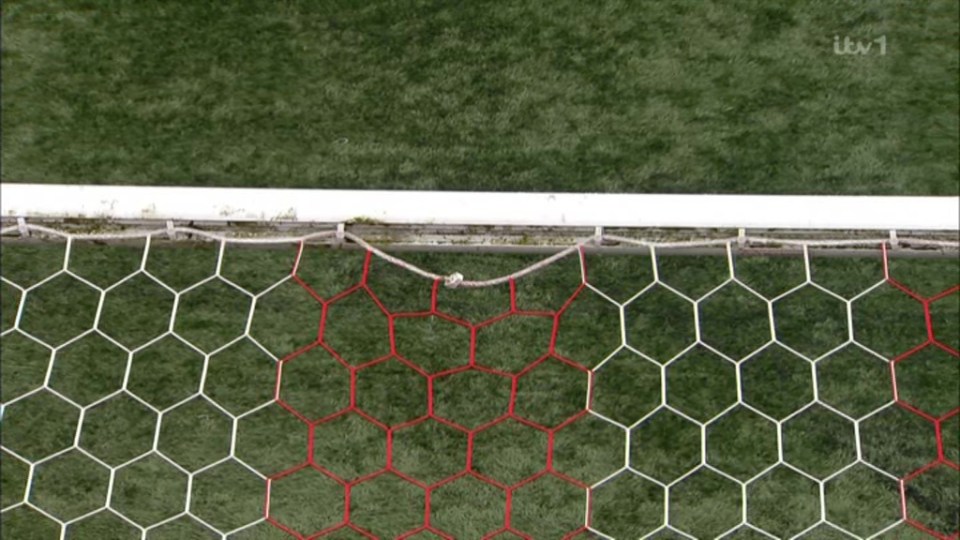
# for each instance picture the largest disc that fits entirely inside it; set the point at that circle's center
(453, 280)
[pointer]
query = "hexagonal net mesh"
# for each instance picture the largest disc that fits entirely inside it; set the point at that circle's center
(728, 408)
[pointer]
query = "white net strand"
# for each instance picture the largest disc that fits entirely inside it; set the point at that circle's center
(453, 280)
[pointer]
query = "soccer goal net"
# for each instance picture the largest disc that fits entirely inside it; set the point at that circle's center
(254, 364)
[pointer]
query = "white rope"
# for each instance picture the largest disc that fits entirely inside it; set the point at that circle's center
(457, 279)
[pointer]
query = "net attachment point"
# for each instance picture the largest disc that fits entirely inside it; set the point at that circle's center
(22, 227)
(453, 280)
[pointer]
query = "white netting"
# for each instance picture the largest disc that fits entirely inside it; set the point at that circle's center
(740, 406)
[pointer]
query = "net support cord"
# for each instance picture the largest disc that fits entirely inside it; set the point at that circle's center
(457, 279)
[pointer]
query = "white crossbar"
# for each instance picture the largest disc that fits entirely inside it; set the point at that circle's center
(481, 208)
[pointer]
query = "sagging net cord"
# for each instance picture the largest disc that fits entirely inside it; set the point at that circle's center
(457, 279)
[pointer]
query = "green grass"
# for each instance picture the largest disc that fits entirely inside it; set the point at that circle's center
(679, 96)
(156, 432)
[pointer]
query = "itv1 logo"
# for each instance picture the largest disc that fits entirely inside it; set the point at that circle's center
(858, 48)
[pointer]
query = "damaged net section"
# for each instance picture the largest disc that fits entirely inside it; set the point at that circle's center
(252, 381)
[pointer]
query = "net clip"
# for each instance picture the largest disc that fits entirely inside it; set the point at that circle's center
(22, 227)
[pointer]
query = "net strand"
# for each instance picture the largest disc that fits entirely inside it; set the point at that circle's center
(550, 469)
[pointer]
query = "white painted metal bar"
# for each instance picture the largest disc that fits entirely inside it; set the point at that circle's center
(481, 208)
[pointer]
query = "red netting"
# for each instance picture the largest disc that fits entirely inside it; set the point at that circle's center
(509, 413)
(390, 467)
(933, 418)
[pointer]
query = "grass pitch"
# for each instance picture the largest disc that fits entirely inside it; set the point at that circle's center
(680, 96)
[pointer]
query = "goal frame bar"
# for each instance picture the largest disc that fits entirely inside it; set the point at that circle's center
(479, 209)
